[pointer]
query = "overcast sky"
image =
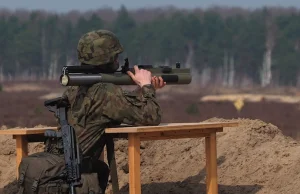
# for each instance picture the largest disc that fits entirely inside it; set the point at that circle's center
(84, 5)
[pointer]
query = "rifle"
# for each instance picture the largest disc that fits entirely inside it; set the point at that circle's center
(90, 74)
(67, 133)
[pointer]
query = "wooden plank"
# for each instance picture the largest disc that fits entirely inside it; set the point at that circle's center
(174, 137)
(171, 127)
(21, 149)
(25, 131)
(134, 164)
(195, 133)
(213, 185)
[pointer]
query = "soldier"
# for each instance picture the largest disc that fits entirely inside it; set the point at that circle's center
(102, 105)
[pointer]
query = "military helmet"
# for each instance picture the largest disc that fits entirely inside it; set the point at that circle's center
(98, 47)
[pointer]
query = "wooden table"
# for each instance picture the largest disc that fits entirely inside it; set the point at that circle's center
(172, 131)
(143, 133)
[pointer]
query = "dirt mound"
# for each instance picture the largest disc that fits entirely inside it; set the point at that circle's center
(252, 158)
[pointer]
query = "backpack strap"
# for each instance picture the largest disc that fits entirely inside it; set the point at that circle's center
(112, 163)
(21, 179)
(22, 175)
(35, 183)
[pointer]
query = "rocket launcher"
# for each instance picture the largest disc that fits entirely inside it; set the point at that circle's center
(90, 74)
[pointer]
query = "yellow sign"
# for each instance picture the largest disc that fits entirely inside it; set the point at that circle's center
(238, 104)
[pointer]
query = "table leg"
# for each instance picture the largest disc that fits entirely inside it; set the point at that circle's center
(208, 172)
(134, 164)
(22, 150)
(211, 164)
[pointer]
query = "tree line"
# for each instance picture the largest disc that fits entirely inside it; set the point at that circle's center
(235, 48)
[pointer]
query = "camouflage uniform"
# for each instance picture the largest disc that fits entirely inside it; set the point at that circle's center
(102, 105)
(96, 107)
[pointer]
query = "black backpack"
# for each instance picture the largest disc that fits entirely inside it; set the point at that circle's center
(44, 173)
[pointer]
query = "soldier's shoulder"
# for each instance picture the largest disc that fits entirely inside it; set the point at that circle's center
(69, 89)
(105, 88)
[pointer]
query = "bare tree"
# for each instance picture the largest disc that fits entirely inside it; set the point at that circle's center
(225, 69)
(189, 63)
(231, 71)
(266, 72)
(1, 74)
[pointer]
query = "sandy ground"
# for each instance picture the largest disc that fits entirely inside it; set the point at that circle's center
(253, 158)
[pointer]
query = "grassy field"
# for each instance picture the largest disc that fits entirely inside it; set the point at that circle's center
(22, 105)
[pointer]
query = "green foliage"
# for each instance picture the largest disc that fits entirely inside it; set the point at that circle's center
(192, 109)
(1, 88)
(38, 111)
(32, 46)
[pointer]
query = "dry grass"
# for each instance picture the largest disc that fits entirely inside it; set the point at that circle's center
(23, 105)
(252, 98)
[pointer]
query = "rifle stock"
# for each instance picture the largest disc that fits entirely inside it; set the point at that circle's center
(67, 133)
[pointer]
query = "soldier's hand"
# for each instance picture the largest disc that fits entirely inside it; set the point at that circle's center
(158, 82)
(142, 77)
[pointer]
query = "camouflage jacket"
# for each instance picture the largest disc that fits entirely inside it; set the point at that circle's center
(103, 105)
